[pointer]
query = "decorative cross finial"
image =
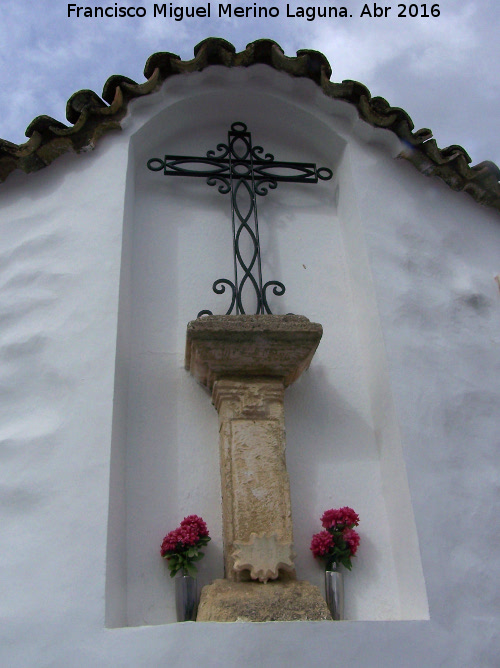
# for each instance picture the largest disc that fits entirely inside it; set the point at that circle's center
(244, 171)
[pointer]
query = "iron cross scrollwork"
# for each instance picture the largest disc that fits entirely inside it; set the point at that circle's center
(244, 171)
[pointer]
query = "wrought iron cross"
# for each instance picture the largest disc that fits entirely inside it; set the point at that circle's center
(244, 171)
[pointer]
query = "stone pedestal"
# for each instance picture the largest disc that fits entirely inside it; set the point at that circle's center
(245, 346)
(275, 601)
(246, 362)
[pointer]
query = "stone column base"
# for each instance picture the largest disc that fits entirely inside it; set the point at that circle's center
(275, 601)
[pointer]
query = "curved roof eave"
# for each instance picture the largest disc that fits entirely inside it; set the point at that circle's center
(92, 116)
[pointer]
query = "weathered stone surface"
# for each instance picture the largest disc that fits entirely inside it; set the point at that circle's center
(264, 556)
(254, 479)
(247, 361)
(280, 346)
(225, 601)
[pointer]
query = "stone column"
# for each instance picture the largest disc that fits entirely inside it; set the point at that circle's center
(246, 362)
(256, 510)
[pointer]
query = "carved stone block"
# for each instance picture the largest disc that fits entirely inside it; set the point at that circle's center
(264, 556)
(222, 346)
(276, 601)
(254, 479)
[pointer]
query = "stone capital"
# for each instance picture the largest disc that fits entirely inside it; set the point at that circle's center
(256, 398)
(230, 346)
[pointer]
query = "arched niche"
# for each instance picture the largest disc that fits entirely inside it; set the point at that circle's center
(343, 442)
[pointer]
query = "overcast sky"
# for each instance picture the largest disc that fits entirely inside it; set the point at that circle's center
(443, 70)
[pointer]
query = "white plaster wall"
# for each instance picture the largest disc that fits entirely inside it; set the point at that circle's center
(434, 348)
(59, 274)
(440, 309)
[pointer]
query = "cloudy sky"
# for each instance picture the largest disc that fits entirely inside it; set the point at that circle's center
(443, 70)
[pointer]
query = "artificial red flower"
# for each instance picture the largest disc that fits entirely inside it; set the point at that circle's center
(339, 541)
(352, 539)
(196, 523)
(321, 543)
(340, 517)
(182, 546)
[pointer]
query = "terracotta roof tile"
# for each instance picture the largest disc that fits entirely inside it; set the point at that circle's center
(92, 116)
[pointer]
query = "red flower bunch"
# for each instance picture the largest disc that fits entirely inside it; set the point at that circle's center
(339, 541)
(182, 546)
